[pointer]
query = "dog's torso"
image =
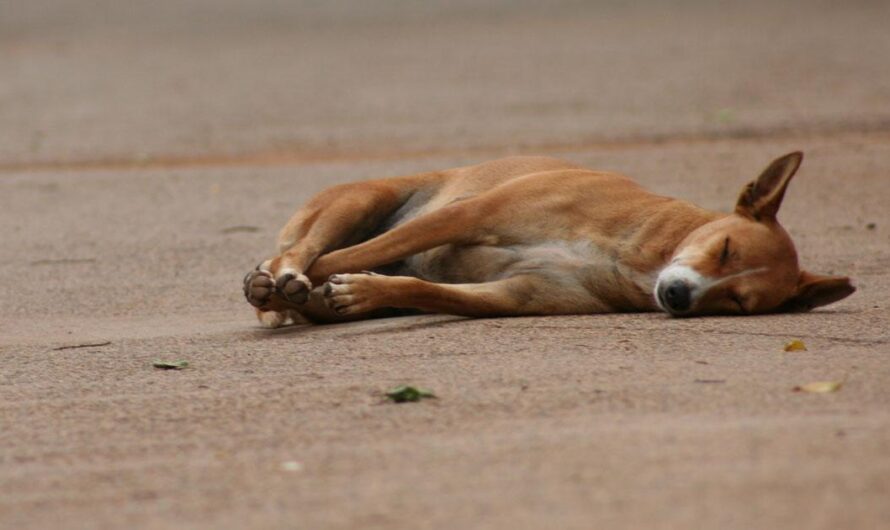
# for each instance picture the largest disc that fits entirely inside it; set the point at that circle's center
(596, 234)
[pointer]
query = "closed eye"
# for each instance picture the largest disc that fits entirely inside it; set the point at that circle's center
(724, 256)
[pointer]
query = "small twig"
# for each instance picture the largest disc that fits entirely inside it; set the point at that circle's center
(240, 228)
(710, 380)
(60, 348)
(63, 261)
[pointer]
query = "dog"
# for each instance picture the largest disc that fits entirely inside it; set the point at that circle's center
(534, 236)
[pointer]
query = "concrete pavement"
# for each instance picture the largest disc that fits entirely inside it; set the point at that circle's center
(149, 153)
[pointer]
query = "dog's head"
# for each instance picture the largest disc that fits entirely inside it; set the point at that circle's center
(745, 263)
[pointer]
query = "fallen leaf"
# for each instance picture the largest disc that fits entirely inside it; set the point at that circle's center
(404, 394)
(170, 365)
(795, 345)
(820, 387)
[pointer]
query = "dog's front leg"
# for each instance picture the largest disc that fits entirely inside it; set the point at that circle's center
(527, 294)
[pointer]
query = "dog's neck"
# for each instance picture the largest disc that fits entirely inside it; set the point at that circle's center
(655, 241)
(662, 231)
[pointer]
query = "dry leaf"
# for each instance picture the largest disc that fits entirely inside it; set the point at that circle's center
(820, 387)
(795, 345)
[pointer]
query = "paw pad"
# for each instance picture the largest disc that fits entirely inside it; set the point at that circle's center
(258, 287)
(293, 287)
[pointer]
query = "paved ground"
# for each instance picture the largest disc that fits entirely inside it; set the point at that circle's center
(149, 153)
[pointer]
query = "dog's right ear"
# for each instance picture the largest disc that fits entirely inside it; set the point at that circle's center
(816, 290)
(761, 198)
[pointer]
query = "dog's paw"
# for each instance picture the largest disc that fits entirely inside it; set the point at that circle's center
(271, 319)
(293, 286)
(348, 294)
(258, 287)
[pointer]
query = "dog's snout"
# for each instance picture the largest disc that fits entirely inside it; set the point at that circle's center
(676, 296)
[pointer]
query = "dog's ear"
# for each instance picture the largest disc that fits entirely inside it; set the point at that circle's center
(761, 198)
(814, 290)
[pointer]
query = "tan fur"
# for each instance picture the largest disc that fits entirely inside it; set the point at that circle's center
(532, 235)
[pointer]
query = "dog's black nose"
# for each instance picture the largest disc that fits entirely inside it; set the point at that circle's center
(676, 296)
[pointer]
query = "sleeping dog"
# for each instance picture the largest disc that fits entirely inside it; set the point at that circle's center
(533, 236)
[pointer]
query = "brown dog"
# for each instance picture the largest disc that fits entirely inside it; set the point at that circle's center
(534, 236)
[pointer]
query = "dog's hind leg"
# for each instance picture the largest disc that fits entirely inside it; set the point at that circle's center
(339, 216)
(458, 223)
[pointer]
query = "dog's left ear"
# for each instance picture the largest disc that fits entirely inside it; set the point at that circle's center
(761, 198)
(815, 290)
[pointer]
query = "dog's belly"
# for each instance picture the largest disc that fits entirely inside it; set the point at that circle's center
(461, 264)
(579, 268)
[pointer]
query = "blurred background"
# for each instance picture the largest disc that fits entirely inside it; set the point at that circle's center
(104, 80)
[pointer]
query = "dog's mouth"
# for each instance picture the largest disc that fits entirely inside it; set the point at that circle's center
(660, 302)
